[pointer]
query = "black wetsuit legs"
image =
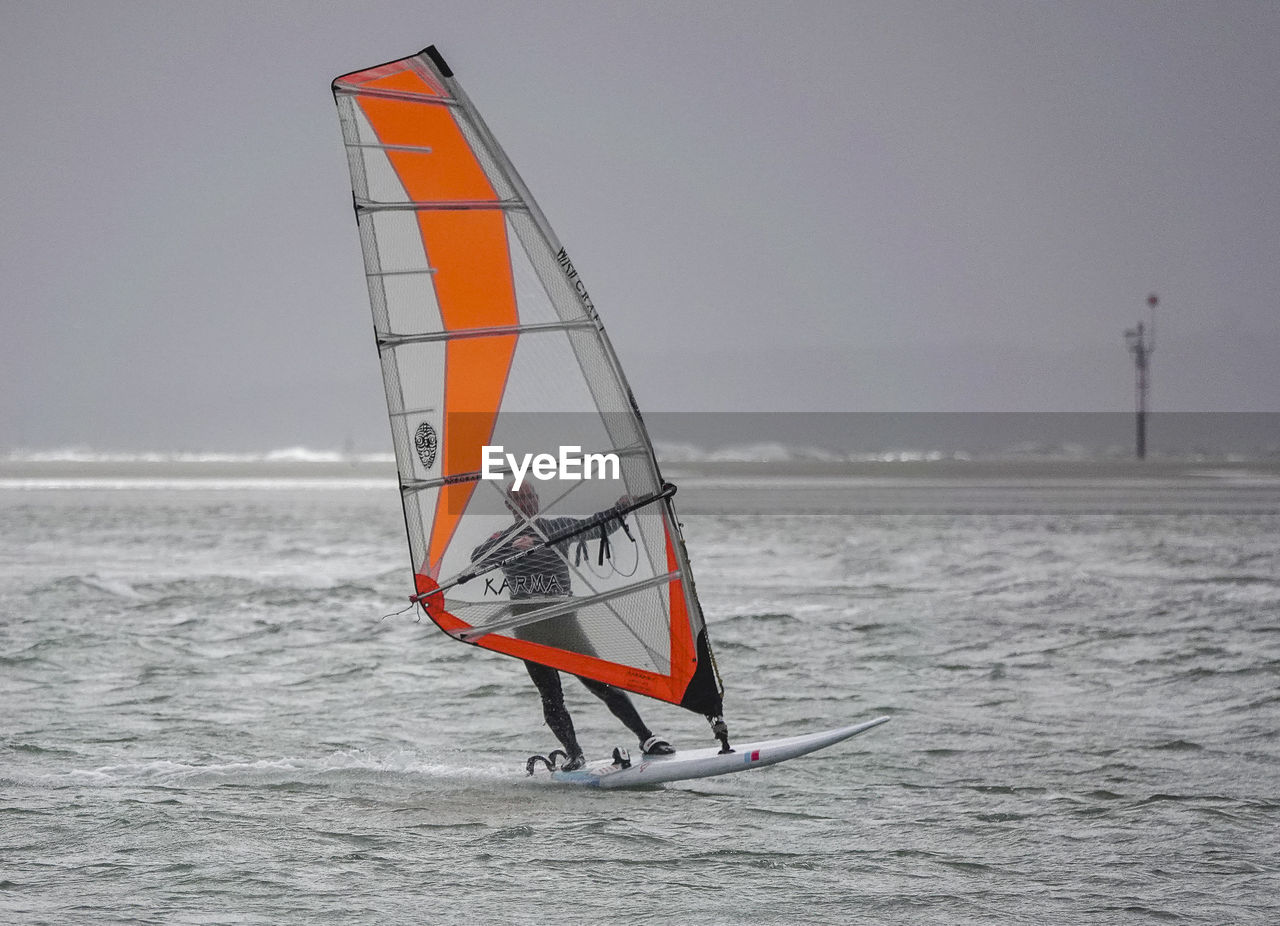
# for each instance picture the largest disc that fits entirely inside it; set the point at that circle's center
(553, 709)
(620, 705)
(557, 715)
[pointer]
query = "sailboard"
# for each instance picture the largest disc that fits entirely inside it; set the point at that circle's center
(493, 353)
(687, 764)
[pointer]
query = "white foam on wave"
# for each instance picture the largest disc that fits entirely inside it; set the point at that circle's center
(761, 452)
(771, 452)
(278, 770)
(283, 455)
(193, 483)
(1237, 477)
(117, 587)
(667, 452)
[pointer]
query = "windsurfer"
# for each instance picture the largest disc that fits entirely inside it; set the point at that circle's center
(544, 573)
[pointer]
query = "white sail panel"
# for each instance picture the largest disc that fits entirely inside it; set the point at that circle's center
(411, 306)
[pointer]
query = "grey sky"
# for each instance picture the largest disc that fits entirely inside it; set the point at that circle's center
(891, 206)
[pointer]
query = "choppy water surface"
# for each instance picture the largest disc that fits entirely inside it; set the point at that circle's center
(205, 721)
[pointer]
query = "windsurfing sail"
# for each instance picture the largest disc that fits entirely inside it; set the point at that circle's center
(488, 339)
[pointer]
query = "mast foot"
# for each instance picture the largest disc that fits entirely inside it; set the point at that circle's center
(721, 731)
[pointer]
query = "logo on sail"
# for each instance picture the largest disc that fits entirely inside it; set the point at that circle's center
(524, 586)
(576, 282)
(425, 442)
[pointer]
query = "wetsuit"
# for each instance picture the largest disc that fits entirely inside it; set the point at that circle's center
(541, 574)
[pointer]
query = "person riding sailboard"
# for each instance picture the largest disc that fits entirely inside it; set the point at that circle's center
(488, 339)
(543, 572)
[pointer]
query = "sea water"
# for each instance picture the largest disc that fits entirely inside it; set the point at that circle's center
(207, 719)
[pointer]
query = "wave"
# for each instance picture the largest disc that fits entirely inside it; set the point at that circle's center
(283, 455)
(193, 483)
(344, 765)
(672, 452)
(212, 590)
(775, 452)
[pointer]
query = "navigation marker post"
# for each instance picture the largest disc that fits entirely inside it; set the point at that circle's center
(1142, 344)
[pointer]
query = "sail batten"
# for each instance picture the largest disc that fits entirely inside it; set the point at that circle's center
(395, 340)
(349, 90)
(560, 606)
(488, 339)
(364, 205)
(378, 147)
(399, 273)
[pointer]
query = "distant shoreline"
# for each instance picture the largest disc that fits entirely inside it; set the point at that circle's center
(945, 469)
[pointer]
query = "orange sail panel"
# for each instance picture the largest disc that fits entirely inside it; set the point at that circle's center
(488, 339)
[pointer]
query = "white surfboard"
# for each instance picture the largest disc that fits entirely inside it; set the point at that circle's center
(705, 763)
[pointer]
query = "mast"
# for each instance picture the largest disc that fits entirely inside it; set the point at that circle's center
(1142, 344)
